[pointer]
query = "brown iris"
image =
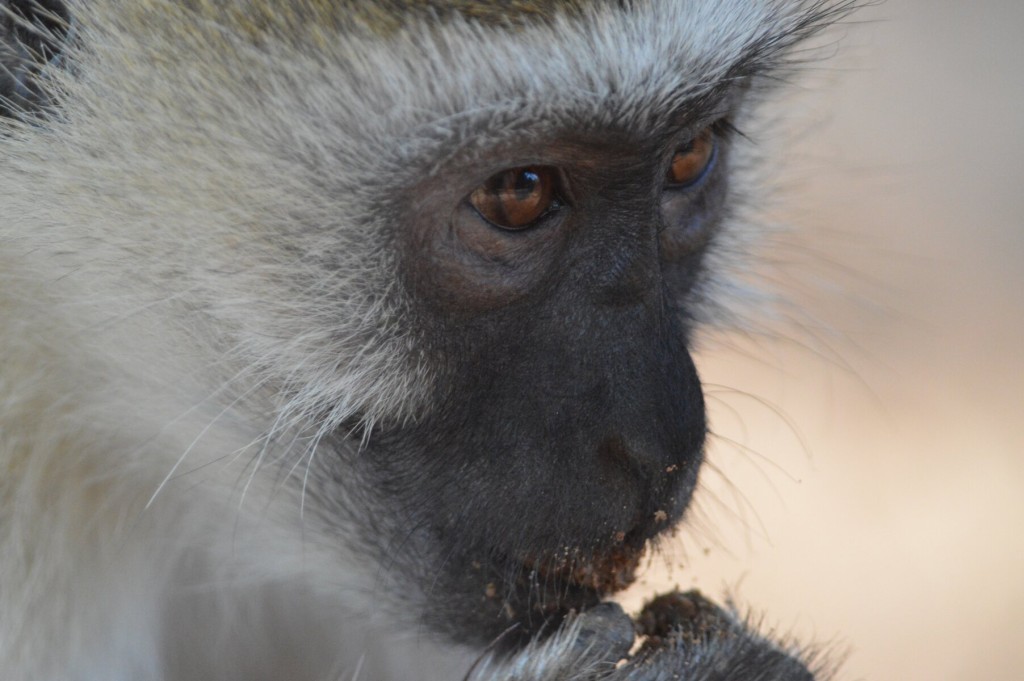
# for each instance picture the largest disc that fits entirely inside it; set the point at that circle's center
(516, 198)
(690, 161)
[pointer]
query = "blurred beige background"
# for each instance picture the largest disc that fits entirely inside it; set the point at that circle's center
(869, 491)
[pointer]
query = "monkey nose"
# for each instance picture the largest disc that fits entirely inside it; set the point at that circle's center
(616, 459)
(617, 453)
(653, 485)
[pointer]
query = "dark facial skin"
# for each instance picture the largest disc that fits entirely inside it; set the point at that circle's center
(568, 424)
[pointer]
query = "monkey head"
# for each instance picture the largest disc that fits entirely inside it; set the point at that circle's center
(449, 256)
(545, 247)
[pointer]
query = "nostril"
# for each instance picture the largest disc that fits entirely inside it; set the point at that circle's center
(614, 459)
(646, 502)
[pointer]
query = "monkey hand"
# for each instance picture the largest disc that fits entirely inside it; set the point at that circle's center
(690, 638)
(686, 638)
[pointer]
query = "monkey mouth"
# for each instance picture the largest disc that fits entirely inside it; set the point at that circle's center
(602, 572)
(536, 591)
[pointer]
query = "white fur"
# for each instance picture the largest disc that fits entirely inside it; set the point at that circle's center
(187, 296)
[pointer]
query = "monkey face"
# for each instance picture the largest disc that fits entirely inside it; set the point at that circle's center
(385, 303)
(451, 275)
(567, 424)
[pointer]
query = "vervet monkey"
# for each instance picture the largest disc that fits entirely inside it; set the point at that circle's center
(349, 339)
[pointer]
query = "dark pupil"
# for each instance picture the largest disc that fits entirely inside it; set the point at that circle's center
(525, 184)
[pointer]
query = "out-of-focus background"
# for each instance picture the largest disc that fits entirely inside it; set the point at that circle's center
(867, 480)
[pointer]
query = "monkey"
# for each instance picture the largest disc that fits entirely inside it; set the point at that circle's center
(352, 339)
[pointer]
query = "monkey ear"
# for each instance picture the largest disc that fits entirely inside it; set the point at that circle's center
(33, 35)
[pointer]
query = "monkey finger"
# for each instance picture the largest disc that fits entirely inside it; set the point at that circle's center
(605, 630)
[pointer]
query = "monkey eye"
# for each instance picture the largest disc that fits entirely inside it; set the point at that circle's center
(517, 198)
(692, 160)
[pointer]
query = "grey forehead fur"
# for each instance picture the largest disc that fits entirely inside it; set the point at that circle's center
(628, 68)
